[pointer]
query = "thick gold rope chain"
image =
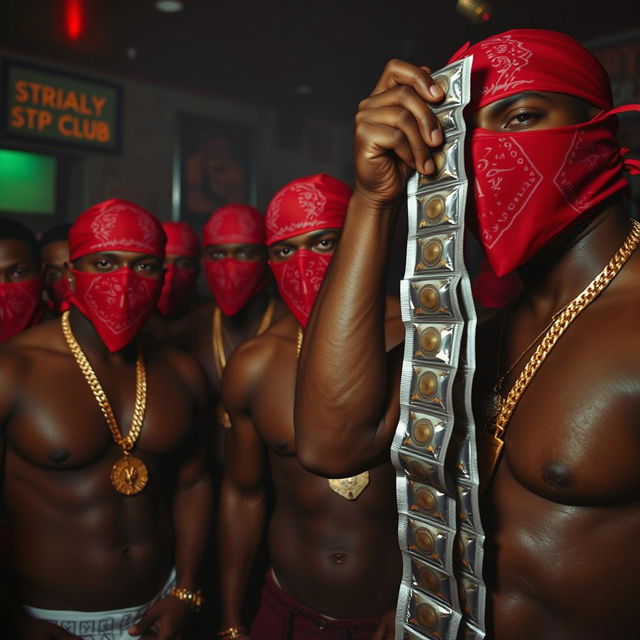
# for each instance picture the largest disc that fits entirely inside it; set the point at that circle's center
(560, 325)
(126, 443)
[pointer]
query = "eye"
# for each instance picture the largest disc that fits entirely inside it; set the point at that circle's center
(326, 244)
(523, 119)
(102, 264)
(19, 272)
(148, 268)
(284, 252)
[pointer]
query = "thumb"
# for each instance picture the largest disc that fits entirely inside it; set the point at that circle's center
(144, 624)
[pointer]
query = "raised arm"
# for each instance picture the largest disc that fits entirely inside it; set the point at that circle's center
(242, 500)
(346, 397)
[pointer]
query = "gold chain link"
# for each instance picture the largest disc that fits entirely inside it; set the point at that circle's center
(125, 443)
(559, 326)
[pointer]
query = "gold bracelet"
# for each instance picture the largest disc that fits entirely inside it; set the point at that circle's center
(232, 633)
(194, 598)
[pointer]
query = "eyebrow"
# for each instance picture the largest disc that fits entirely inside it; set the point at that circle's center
(504, 103)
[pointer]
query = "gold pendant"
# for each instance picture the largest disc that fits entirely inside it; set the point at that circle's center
(222, 416)
(488, 458)
(350, 488)
(129, 475)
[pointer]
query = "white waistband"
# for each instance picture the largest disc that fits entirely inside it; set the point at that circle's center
(100, 625)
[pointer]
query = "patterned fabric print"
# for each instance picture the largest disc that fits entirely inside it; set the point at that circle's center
(234, 282)
(18, 303)
(234, 224)
(116, 225)
(117, 303)
(508, 57)
(307, 204)
(531, 185)
(299, 280)
(100, 625)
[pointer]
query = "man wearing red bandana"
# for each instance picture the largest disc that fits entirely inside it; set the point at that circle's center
(334, 571)
(243, 304)
(182, 256)
(561, 503)
(105, 469)
(54, 252)
(20, 281)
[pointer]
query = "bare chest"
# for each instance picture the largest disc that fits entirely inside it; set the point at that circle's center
(58, 423)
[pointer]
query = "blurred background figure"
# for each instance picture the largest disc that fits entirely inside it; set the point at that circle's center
(54, 252)
(181, 269)
(20, 281)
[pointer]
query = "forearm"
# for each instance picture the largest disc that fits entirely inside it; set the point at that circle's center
(343, 388)
(192, 507)
(240, 530)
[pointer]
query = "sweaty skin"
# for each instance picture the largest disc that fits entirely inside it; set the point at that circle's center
(336, 556)
(78, 543)
(562, 513)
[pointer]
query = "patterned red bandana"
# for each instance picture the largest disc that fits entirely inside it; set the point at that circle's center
(117, 303)
(306, 204)
(531, 185)
(180, 284)
(234, 282)
(18, 306)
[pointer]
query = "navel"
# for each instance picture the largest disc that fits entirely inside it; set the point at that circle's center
(59, 456)
(338, 558)
(556, 475)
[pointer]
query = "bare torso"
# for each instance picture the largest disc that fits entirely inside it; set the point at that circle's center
(79, 544)
(563, 512)
(336, 555)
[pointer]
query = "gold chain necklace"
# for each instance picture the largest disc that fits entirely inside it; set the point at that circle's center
(494, 438)
(129, 475)
(348, 488)
(495, 400)
(220, 357)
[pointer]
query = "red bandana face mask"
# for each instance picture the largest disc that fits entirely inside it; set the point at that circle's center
(299, 279)
(178, 288)
(234, 282)
(18, 306)
(531, 185)
(57, 291)
(117, 303)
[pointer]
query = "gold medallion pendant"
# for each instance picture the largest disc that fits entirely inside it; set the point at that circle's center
(350, 488)
(129, 475)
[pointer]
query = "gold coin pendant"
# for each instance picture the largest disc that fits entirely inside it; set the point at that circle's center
(129, 475)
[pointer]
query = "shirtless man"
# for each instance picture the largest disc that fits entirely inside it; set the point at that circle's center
(333, 543)
(20, 282)
(244, 306)
(105, 527)
(54, 252)
(562, 514)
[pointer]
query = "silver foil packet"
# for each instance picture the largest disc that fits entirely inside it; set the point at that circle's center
(442, 595)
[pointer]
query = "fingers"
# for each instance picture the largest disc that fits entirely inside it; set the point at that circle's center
(145, 625)
(398, 72)
(406, 98)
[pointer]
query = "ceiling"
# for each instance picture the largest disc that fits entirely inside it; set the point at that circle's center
(268, 52)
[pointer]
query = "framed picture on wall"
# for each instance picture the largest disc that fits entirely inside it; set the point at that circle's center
(213, 166)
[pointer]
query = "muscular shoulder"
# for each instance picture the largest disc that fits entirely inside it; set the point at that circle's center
(182, 365)
(256, 358)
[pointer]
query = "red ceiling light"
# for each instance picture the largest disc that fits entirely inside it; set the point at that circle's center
(73, 19)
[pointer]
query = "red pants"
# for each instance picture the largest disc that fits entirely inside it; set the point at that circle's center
(281, 617)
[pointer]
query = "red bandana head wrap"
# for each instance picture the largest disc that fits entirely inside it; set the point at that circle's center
(530, 185)
(234, 282)
(179, 283)
(306, 204)
(118, 303)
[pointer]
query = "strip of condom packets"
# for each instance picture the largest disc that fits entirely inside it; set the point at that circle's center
(442, 595)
